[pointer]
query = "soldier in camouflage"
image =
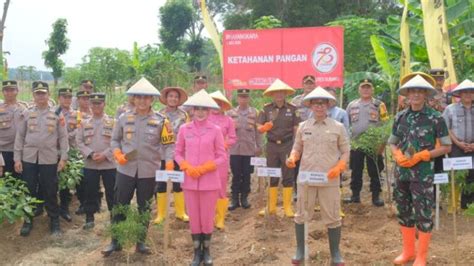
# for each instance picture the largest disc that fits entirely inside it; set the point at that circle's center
(414, 135)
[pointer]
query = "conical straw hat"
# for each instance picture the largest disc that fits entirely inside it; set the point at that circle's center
(411, 75)
(417, 82)
(279, 85)
(201, 99)
(143, 87)
(183, 96)
(318, 93)
(464, 86)
(219, 97)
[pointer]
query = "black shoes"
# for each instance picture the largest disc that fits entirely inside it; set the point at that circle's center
(113, 246)
(26, 228)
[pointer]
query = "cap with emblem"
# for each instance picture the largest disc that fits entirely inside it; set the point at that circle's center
(65, 92)
(466, 85)
(83, 94)
(40, 86)
(9, 84)
(97, 97)
(143, 87)
(309, 78)
(200, 78)
(365, 81)
(183, 96)
(201, 99)
(220, 98)
(417, 82)
(279, 85)
(318, 93)
(243, 92)
(88, 82)
(437, 72)
(409, 76)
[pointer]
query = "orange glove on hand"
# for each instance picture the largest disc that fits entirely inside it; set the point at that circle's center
(291, 161)
(169, 166)
(189, 170)
(119, 157)
(337, 169)
(423, 155)
(401, 160)
(207, 167)
(265, 127)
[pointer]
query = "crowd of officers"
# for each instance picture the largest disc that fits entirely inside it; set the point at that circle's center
(310, 133)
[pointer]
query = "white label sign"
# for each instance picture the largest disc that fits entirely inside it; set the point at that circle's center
(458, 163)
(174, 176)
(258, 161)
(268, 171)
(313, 178)
(441, 178)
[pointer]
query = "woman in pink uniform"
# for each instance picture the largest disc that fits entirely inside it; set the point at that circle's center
(226, 123)
(199, 152)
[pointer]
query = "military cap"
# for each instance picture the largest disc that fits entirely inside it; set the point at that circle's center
(309, 78)
(200, 78)
(40, 86)
(65, 92)
(88, 82)
(243, 92)
(365, 81)
(9, 84)
(437, 72)
(83, 93)
(97, 97)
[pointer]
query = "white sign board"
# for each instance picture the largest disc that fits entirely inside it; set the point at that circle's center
(312, 178)
(457, 163)
(268, 171)
(174, 176)
(258, 161)
(441, 178)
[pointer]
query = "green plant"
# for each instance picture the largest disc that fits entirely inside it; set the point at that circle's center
(15, 200)
(373, 139)
(460, 179)
(72, 174)
(470, 210)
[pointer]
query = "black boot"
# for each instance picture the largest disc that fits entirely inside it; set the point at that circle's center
(243, 201)
(89, 221)
(206, 253)
(64, 213)
(142, 248)
(26, 228)
(113, 246)
(376, 201)
(197, 249)
(80, 210)
(39, 210)
(355, 198)
(234, 202)
(334, 235)
(54, 226)
(299, 255)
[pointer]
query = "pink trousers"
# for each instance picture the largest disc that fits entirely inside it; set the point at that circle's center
(201, 207)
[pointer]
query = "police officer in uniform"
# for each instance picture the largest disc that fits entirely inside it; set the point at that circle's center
(86, 85)
(279, 119)
(140, 140)
(413, 143)
(10, 112)
(200, 83)
(93, 140)
(308, 86)
(439, 101)
(363, 113)
(126, 107)
(249, 143)
(40, 138)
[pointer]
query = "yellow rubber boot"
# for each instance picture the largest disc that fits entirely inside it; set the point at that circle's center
(272, 201)
(180, 212)
(161, 205)
(287, 200)
(457, 196)
(221, 210)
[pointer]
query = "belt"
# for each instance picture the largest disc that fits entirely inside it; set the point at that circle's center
(280, 141)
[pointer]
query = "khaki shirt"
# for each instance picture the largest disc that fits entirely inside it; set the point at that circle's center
(71, 125)
(2, 162)
(248, 137)
(126, 107)
(321, 145)
(41, 137)
(285, 119)
(143, 134)
(362, 115)
(9, 119)
(177, 118)
(303, 110)
(94, 137)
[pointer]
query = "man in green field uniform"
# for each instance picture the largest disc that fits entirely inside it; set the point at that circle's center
(414, 135)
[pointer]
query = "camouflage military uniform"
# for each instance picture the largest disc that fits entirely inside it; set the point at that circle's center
(413, 132)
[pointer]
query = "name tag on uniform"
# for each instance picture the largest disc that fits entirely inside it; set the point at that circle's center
(174, 176)
(312, 178)
(457, 163)
(269, 171)
(258, 161)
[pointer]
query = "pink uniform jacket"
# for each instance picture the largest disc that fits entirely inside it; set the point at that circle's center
(226, 124)
(197, 143)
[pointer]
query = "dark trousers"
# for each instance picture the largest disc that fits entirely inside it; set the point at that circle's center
(9, 164)
(44, 175)
(241, 170)
(466, 197)
(92, 186)
(80, 190)
(65, 197)
(276, 157)
(357, 166)
(161, 186)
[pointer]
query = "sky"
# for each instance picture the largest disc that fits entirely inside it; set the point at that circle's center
(91, 23)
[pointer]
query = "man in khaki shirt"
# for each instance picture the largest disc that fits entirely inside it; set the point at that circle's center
(323, 146)
(40, 138)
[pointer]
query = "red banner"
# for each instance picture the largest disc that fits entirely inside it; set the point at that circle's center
(255, 58)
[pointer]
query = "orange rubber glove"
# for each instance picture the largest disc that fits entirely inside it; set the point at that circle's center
(337, 169)
(265, 127)
(423, 155)
(169, 166)
(291, 161)
(189, 170)
(119, 157)
(401, 160)
(207, 167)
